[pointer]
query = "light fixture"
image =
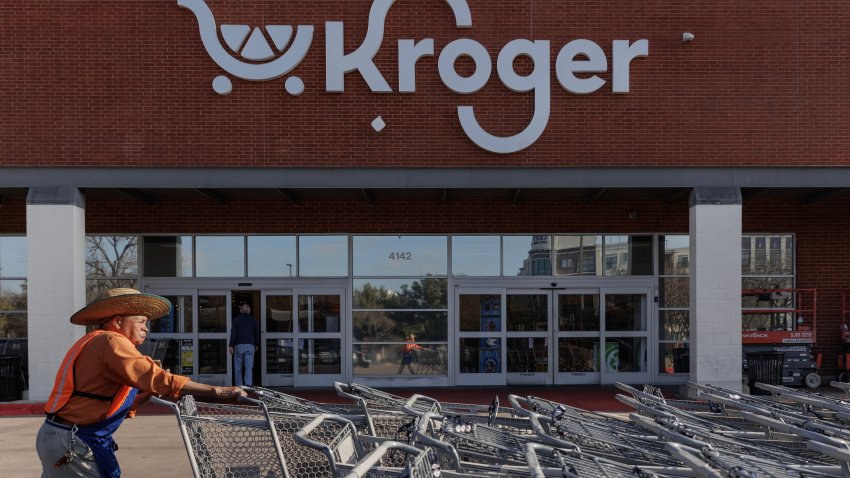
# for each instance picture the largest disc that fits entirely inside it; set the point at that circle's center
(687, 37)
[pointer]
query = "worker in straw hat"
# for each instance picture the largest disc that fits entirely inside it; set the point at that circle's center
(102, 380)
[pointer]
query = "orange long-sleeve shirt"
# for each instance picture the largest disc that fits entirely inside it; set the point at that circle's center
(107, 362)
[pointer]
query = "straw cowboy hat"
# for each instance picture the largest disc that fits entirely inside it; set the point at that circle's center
(122, 302)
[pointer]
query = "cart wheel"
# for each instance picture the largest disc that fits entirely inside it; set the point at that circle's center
(844, 377)
(812, 380)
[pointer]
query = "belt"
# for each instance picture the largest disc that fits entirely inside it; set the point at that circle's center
(57, 420)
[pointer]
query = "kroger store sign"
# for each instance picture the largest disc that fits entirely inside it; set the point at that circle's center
(246, 54)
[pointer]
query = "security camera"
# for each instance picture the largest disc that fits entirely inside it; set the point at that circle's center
(687, 37)
(553, 284)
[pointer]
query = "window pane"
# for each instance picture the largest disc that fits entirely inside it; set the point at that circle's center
(388, 326)
(578, 354)
(674, 358)
(528, 354)
(400, 255)
(212, 314)
(673, 255)
(179, 355)
(13, 325)
(400, 293)
(578, 255)
(527, 313)
(13, 256)
(179, 321)
(480, 355)
(271, 256)
(480, 313)
(322, 256)
(673, 325)
(212, 358)
(628, 255)
(768, 321)
(318, 313)
(578, 312)
(387, 359)
(526, 256)
(476, 256)
(319, 356)
(751, 300)
(625, 312)
(168, 256)
(767, 254)
(625, 354)
(13, 295)
(280, 356)
(96, 289)
(279, 313)
(112, 256)
(674, 291)
(220, 256)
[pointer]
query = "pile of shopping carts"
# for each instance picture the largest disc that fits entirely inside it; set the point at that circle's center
(789, 433)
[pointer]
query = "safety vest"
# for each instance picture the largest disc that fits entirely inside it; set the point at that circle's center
(64, 387)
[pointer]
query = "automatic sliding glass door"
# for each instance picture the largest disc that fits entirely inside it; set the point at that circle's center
(626, 335)
(278, 342)
(577, 335)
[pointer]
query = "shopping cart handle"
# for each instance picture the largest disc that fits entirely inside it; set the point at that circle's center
(250, 401)
(163, 403)
(364, 466)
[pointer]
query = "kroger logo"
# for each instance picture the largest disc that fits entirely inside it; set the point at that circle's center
(247, 54)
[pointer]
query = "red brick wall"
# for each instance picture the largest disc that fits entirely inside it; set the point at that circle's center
(129, 83)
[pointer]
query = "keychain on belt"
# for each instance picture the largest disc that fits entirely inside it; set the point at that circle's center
(69, 455)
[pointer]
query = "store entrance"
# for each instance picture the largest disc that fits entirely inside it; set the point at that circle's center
(554, 334)
(251, 298)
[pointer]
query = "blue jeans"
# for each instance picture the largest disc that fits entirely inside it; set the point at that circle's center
(243, 354)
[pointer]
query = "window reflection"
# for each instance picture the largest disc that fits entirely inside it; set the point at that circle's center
(526, 255)
(279, 313)
(674, 358)
(476, 256)
(13, 256)
(527, 313)
(386, 359)
(578, 255)
(212, 313)
(111, 256)
(427, 293)
(271, 256)
(674, 255)
(395, 326)
(13, 325)
(280, 356)
(674, 292)
(400, 255)
(480, 355)
(179, 355)
(628, 255)
(578, 312)
(767, 254)
(319, 356)
(13, 295)
(220, 256)
(168, 256)
(323, 256)
(212, 356)
(318, 313)
(625, 312)
(179, 320)
(674, 325)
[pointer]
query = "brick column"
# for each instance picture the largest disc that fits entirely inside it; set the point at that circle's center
(715, 286)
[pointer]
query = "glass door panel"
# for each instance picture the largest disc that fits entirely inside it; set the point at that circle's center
(172, 339)
(578, 336)
(213, 329)
(278, 352)
(321, 351)
(626, 336)
(527, 336)
(480, 332)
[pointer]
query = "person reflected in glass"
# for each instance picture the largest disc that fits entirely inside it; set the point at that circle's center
(407, 353)
(244, 339)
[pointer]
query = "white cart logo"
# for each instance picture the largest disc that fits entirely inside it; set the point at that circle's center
(576, 65)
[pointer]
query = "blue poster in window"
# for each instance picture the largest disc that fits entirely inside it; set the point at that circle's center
(490, 355)
(491, 313)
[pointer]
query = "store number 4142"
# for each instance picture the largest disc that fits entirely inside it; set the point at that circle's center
(401, 256)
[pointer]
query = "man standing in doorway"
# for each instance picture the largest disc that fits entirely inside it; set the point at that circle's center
(244, 339)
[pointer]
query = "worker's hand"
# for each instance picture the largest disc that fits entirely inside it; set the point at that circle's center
(229, 392)
(230, 350)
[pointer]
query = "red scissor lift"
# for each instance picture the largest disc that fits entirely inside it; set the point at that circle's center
(783, 320)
